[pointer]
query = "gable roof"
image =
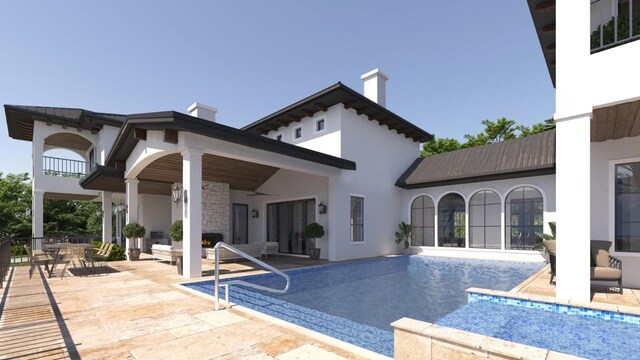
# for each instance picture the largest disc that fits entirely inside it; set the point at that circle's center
(336, 94)
(20, 119)
(528, 156)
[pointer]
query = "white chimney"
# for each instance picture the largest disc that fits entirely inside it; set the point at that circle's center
(375, 86)
(203, 111)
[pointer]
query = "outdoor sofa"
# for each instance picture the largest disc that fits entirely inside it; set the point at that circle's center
(168, 253)
(253, 250)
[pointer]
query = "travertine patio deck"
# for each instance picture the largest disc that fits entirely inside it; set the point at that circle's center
(539, 285)
(137, 313)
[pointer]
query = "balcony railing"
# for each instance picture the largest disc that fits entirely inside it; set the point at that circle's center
(613, 23)
(53, 166)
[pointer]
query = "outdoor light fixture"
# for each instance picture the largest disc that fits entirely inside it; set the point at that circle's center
(255, 213)
(185, 196)
(322, 208)
(99, 212)
(121, 207)
(27, 213)
(177, 193)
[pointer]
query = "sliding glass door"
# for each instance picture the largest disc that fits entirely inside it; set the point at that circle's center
(286, 222)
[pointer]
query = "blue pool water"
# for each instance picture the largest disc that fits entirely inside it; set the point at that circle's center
(355, 302)
(578, 335)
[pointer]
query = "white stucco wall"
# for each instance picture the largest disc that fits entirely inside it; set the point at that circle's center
(545, 184)
(604, 156)
(154, 213)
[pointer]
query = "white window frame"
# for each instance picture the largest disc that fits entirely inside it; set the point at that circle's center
(295, 130)
(324, 125)
(351, 225)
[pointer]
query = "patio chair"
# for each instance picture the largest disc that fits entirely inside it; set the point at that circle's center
(550, 246)
(605, 267)
(38, 257)
(100, 250)
(270, 248)
(97, 260)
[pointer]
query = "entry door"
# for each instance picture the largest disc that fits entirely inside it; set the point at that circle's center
(286, 222)
(240, 224)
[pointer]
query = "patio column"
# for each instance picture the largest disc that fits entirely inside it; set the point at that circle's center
(192, 212)
(132, 207)
(107, 231)
(37, 217)
(573, 206)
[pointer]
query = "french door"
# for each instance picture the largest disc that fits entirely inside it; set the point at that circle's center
(240, 224)
(286, 222)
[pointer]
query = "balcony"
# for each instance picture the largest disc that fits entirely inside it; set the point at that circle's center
(613, 23)
(53, 166)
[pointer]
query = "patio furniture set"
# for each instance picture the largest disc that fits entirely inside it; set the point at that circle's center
(604, 267)
(81, 255)
(171, 253)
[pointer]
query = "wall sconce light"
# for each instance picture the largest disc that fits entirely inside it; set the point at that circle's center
(121, 207)
(322, 208)
(27, 213)
(177, 193)
(255, 213)
(99, 212)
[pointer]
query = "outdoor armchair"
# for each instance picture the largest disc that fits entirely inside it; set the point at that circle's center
(605, 267)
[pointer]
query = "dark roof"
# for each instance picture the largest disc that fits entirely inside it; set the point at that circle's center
(336, 94)
(528, 156)
(543, 13)
(125, 142)
(20, 119)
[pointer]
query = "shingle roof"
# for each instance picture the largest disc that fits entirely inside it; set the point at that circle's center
(527, 156)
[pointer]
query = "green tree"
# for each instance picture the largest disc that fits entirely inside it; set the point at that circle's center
(537, 127)
(15, 199)
(439, 146)
(494, 132)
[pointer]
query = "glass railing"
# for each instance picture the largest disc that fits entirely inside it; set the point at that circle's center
(613, 23)
(53, 166)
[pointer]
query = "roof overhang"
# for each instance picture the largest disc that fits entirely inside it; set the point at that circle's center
(543, 13)
(548, 170)
(336, 94)
(615, 122)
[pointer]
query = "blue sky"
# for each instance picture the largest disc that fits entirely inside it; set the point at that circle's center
(451, 63)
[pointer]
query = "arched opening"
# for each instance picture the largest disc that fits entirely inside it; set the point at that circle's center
(422, 221)
(451, 221)
(484, 220)
(67, 155)
(524, 218)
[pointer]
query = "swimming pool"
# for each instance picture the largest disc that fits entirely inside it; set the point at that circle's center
(355, 302)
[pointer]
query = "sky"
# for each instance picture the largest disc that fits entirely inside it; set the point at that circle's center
(451, 64)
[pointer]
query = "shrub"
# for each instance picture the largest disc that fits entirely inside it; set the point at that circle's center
(134, 231)
(175, 231)
(313, 231)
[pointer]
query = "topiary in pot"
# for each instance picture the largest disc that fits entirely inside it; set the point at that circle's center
(134, 231)
(312, 232)
(175, 231)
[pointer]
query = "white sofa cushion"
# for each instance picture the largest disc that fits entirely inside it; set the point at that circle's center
(161, 247)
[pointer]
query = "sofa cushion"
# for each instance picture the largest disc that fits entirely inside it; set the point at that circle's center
(605, 273)
(161, 247)
(600, 252)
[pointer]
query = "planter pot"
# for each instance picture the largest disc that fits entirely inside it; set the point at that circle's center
(314, 253)
(406, 251)
(179, 262)
(134, 254)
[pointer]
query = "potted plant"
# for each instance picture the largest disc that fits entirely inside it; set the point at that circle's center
(544, 238)
(175, 234)
(312, 232)
(134, 231)
(404, 237)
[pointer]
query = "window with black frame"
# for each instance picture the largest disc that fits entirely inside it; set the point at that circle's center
(484, 220)
(451, 221)
(524, 211)
(423, 221)
(627, 207)
(357, 219)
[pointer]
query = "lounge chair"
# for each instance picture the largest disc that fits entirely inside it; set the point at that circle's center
(550, 246)
(605, 267)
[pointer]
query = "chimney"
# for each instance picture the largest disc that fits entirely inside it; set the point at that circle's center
(375, 86)
(203, 111)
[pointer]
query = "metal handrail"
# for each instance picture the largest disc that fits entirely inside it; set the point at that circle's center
(226, 284)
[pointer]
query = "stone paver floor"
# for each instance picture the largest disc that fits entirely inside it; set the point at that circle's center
(135, 312)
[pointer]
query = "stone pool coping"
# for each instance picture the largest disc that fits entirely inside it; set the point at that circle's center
(250, 313)
(415, 339)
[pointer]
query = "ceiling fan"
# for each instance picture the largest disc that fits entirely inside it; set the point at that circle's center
(259, 193)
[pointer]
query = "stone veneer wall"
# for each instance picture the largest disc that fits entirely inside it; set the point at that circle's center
(215, 208)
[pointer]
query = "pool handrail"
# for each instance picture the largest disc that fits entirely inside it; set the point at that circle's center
(226, 284)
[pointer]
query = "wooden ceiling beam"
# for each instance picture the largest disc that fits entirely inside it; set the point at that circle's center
(170, 136)
(349, 104)
(139, 134)
(361, 110)
(295, 117)
(307, 112)
(321, 106)
(544, 5)
(551, 47)
(549, 28)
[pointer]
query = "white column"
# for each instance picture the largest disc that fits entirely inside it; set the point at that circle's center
(107, 230)
(37, 217)
(192, 212)
(573, 206)
(132, 206)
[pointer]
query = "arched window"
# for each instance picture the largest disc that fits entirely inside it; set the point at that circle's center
(523, 212)
(422, 221)
(484, 220)
(451, 216)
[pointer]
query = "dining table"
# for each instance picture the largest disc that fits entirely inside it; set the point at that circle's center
(54, 251)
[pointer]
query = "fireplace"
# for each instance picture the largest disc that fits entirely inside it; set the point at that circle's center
(209, 240)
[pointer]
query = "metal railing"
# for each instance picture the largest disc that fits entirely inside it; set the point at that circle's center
(226, 284)
(613, 24)
(53, 166)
